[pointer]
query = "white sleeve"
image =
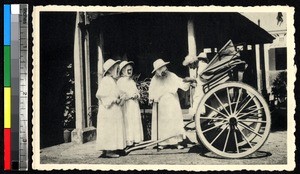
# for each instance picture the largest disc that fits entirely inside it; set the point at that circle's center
(201, 67)
(151, 89)
(182, 85)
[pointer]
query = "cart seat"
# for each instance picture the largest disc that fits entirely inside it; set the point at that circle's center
(215, 73)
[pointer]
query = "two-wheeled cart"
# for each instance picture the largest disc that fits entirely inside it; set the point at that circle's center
(232, 119)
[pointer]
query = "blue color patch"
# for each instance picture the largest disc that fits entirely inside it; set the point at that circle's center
(7, 23)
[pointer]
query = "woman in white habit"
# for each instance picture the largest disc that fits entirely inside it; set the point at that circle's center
(163, 91)
(110, 121)
(131, 108)
(199, 63)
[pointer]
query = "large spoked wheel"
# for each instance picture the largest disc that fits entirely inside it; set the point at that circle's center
(233, 120)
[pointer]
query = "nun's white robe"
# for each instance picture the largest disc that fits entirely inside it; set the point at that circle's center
(170, 119)
(110, 121)
(131, 111)
(199, 92)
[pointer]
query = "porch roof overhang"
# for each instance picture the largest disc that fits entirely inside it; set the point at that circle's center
(212, 29)
(215, 29)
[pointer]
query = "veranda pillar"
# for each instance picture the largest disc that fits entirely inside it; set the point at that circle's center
(81, 133)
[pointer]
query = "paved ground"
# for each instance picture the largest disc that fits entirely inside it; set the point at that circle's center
(274, 151)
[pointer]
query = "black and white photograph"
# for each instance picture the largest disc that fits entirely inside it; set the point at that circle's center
(173, 88)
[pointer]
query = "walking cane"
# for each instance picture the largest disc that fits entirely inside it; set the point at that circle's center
(157, 125)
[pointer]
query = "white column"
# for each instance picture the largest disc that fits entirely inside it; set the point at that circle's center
(191, 38)
(192, 52)
(258, 70)
(82, 133)
(87, 72)
(267, 66)
(100, 58)
(78, 76)
(191, 43)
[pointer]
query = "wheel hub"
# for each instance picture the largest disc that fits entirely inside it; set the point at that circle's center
(232, 121)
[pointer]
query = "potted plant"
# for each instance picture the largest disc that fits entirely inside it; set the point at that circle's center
(143, 87)
(92, 113)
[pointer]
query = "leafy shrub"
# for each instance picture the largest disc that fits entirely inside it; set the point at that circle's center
(69, 90)
(279, 89)
(143, 87)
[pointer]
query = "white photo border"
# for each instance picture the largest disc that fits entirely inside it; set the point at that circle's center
(291, 73)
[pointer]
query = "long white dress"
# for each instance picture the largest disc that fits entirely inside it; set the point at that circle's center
(131, 111)
(199, 93)
(169, 113)
(110, 121)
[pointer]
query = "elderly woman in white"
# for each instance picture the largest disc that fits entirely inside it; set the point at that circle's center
(110, 121)
(131, 108)
(163, 91)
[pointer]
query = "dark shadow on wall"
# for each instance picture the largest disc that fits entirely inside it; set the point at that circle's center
(56, 52)
(279, 118)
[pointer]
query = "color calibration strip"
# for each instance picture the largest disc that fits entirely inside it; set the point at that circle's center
(15, 59)
(23, 84)
(7, 88)
(15, 87)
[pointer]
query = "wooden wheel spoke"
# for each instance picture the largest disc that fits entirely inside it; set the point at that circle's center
(245, 138)
(226, 141)
(212, 118)
(215, 110)
(216, 126)
(252, 120)
(235, 140)
(237, 102)
(219, 135)
(216, 96)
(250, 107)
(240, 109)
(229, 101)
(244, 99)
(243, 115)
(250, 129)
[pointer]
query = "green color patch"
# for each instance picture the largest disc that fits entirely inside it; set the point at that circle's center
(7, 67)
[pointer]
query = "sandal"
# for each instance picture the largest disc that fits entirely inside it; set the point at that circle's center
(111, 154)
(161, 147)
(180, 147)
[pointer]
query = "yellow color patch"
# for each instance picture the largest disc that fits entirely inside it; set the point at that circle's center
(7, 107)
